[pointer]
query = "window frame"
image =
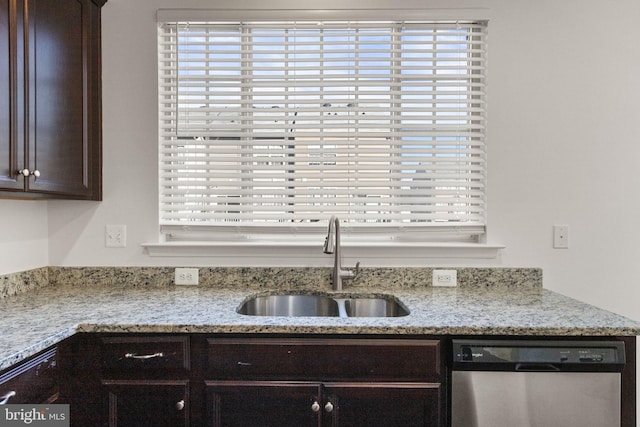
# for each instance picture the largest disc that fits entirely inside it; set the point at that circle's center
(431, 236)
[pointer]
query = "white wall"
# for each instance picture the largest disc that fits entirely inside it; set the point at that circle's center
(23, 235)
(564, 144)
(564, 118)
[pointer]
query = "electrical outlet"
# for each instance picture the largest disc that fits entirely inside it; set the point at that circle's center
(115, 236)
(561, 236)
(186, 276)
(445, 278)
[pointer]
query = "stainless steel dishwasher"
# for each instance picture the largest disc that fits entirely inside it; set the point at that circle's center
(536, 383)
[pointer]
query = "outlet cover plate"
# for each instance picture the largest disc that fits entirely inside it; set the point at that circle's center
(115, 236)
(186, 276)
(445, 278)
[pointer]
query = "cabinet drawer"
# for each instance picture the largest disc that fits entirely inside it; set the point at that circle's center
(324, 359)
(145, 353)
(34, 381)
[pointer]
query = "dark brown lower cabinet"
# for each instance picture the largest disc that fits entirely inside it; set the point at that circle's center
(145, 380)
(324, 382)
(300, 404)
(383, 405)
(32, 381)
(146, 403)
(263, 404)
(258, 380)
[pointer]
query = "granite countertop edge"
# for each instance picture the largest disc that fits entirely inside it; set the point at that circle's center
(49, 315)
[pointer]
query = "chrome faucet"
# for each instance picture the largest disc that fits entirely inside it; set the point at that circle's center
(332, 246)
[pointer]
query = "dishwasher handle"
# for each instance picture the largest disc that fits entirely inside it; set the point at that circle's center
(536, 367)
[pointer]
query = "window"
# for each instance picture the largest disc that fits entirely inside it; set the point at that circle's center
(279, 125)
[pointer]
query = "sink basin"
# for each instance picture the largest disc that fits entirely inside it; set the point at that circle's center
(374, 307)
(290, 305)
(323, 306)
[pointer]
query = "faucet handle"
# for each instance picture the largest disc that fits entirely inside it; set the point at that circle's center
(356, 270)
(350, 274)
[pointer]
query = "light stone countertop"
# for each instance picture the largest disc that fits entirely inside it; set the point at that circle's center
(40, 318)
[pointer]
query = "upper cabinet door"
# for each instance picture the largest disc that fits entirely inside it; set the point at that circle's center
(11, 153)
(64, 138)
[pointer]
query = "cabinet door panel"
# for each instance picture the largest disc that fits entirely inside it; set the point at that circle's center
(50, 99)
(6, 93)
(383, 404)
(147, 403)
(262, 404)
(11, 150)
(57, 82)
(63, 99)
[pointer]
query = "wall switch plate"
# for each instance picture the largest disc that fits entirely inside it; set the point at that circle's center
(445, 278)
(561, 236)
(186, 276)
(115, 236)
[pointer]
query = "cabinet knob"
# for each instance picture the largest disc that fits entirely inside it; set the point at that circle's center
(180, 405)
(328, 407)
(315, 407)
(5, 399)
(24, 172)
(35, 173)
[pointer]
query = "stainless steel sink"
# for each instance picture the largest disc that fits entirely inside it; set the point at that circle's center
(290, 305)
(374, 307)
(323, 306)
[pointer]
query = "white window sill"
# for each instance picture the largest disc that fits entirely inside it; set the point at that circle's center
(261, 253)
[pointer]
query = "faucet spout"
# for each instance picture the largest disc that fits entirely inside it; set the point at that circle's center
(330, 240)
(332, 246)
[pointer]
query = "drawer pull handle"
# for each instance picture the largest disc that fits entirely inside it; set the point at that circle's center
(180, 405)
(244, 364)
(328, 407)
(315, 407)
(143, 356)
(4, 399)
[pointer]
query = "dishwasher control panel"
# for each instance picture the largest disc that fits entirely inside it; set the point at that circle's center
(538, 355)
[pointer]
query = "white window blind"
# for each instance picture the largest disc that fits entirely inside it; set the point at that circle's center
(284, 124)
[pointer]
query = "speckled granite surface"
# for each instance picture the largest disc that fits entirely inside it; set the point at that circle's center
(261, 278)
(24, 281)
(81, 300)
(292, 278)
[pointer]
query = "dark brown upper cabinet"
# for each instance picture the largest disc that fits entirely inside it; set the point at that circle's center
(50, 99)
